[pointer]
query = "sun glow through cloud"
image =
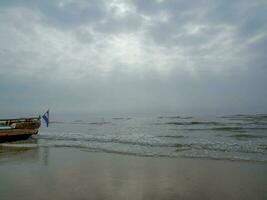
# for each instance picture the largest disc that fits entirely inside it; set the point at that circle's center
(168, 47)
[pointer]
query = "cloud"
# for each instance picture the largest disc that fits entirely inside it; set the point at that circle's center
(133, 56)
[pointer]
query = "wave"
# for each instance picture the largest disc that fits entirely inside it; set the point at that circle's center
(107, 140)
(170, 155)
(230, 148)
(144, 154)
(183, 150)
(108, 150)
(179, 146)
(226, 151)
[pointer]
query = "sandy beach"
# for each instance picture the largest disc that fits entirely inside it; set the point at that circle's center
(133, 100)
(71, 173)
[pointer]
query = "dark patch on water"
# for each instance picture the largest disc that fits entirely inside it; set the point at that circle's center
(215, 129)
(172, 136)
(260, 117)
(81, 122)
(194, 123)
(78, 121)
(182, 147)
(169, 117)
(247, 136)
(238, 115)
(99, 123)
(121, 118)
(226, 128)
(263, 146)
(173, 117)
(178, 145)
(238, 128)
(56, 122)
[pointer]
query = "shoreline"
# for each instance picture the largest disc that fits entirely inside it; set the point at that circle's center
(5, 147)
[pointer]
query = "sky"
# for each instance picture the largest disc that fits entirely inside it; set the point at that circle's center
(119, 57)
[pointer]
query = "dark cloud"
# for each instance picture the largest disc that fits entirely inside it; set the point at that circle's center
(133, 56)
(64, 14)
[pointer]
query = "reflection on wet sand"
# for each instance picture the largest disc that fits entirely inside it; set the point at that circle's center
(45, 155)
(24, 151)
(66, 173)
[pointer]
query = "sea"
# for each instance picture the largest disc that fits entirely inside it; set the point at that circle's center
(231, 137)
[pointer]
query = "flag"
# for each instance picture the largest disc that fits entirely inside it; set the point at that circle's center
(46, 117)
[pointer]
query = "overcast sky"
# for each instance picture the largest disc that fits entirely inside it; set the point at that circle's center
(133, 56)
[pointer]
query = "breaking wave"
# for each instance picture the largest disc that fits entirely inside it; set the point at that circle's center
(151, 143)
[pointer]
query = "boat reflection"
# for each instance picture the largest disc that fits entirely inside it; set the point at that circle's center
(24, 151)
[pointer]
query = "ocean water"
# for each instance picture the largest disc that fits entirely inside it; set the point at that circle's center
(234, 137)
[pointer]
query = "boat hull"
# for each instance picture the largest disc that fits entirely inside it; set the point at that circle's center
(16, 134)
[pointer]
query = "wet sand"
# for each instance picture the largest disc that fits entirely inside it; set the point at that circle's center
(68, 173)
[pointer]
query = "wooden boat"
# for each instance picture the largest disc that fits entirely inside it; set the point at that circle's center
(18, 129)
